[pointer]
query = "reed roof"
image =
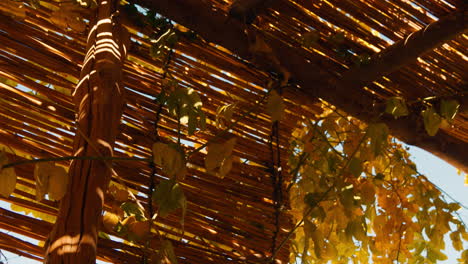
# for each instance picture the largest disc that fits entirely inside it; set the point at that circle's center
(229, 220)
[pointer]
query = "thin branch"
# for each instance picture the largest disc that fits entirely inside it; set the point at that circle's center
(399, 245)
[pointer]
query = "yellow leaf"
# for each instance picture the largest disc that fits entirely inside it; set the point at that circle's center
(50, 179)
(58, 183)
(7, 177)
(109, 221)
(275, 106)
(456, 241)
(367, 193)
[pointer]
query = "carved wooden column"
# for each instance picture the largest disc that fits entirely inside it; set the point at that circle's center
(99, 102)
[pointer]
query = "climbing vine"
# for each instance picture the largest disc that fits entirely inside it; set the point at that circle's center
(358, 196)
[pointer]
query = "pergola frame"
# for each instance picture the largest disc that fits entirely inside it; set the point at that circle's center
(99, 99)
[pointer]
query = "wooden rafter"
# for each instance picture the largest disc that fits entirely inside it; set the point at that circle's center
(344, 92)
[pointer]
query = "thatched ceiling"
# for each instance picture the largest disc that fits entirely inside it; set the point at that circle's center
(229, 220)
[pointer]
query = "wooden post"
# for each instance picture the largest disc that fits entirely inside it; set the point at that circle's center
(99, 102)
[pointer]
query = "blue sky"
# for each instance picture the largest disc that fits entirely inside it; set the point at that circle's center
(438, 171)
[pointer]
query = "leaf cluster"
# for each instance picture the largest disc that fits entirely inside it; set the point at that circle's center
(360, 198)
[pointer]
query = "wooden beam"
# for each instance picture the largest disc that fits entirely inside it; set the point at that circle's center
(99, 102)
(346, 92)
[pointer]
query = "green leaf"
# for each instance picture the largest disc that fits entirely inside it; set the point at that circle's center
(169, 196)
(432, 121)
(378, 133)
(132, 209)
(186, 105)
(449, 109)
(396, 106)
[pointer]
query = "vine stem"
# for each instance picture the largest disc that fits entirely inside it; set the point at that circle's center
(22, 162)
(399, 245)
(220, 134)
(276, 181)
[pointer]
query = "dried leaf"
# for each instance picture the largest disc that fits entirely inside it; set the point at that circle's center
(275, 106)
(355, 167)
(7, 177)
(260, 46)
(140, 228)
(218, 161)
(170, 158)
